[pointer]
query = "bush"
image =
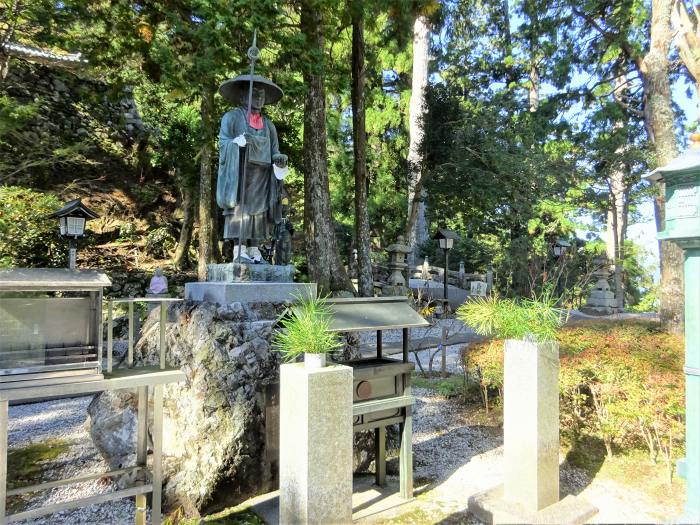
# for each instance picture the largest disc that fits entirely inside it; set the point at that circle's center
(160, 242)
(28, 237)
(512, 319)
(621, 382)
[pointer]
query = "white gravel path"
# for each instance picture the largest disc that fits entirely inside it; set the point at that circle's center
(64, 420)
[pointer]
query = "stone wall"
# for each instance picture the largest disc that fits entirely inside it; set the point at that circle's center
(101, 123)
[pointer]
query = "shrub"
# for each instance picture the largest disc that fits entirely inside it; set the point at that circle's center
(512, 319)
(28, 237)
(160, 242)
(305, 330)
(619, 381)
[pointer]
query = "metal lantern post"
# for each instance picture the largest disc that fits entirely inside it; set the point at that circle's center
(682, 179)
(71, 219)
(446, 239)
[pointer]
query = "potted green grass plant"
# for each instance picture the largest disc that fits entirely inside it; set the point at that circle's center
(305, 331)
(530, 393)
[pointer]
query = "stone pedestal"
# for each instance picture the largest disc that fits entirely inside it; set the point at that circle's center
(244, 273)
(228, 293)
(530, 491)
(315, 445)
(531, 423)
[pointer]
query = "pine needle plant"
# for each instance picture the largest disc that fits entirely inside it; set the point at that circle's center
(527, 319)
(305, 330)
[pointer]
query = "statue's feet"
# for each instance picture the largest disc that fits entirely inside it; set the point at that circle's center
(256, 256)
(240, 254)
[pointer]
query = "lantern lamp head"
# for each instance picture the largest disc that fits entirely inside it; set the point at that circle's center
(72, 218)
(682, 186)
(445, 238)
(560, 247)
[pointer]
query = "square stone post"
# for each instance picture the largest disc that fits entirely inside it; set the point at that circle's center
(315, 445)
(531, 424)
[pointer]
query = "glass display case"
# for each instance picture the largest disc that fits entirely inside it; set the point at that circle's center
(50, 326)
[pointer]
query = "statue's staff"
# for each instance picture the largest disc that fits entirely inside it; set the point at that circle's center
(253, 54)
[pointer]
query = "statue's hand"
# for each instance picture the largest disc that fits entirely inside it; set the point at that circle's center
(241, 140)
(280, 160)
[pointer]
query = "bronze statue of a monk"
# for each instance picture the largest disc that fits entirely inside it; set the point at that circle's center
(250, 196)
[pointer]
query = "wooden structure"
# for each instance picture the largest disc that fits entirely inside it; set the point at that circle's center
(382, 386)
(50, 370)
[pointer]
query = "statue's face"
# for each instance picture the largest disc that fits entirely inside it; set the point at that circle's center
(258, 100)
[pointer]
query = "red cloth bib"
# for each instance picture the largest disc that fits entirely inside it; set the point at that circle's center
(255, 120)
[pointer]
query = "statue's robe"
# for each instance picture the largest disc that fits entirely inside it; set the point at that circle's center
(260, 207)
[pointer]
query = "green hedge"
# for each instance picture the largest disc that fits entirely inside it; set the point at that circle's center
(28, 237)
(619, 381)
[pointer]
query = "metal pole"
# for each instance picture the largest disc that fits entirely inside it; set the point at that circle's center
(142, 448)
(443, 351)
(447, 264)
(110, 329)
(72, 250)
(406, 343)
(691, 463)
(253, 53)
(379, 344)
(4, 414)
(163, 319)
(130, 353)
(157, 454)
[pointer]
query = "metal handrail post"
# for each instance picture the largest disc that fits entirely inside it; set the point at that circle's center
(130, 355)
(163, 318)
(110, 330)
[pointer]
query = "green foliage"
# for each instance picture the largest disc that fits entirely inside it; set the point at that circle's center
(160, 242)
(27, 465)
(305, 330)
(28, 237)
(620, 383)
(512, 319)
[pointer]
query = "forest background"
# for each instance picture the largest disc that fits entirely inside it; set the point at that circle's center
(516, 123)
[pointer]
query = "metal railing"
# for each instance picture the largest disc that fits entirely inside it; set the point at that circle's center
(110, 327)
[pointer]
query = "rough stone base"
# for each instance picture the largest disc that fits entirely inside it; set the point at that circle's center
(228, 293)
(599, 310)
(490, 507)
(241, 273)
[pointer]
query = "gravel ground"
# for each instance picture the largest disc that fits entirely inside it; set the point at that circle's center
(454, 458)
(454, 455)
(454, 326)
(64, 420)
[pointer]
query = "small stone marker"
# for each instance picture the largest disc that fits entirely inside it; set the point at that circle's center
(478, 288)
(315, 444)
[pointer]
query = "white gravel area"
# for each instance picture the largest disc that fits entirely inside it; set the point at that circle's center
(64, 420)
(453, 326)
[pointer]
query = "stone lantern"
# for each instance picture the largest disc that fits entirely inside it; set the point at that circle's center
(601, 300)
(71, 219)
(681, 177)
(396, 284)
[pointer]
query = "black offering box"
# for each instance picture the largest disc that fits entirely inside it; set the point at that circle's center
(381, 385)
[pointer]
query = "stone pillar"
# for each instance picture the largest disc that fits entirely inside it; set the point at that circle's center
(691, 463)
(531, 424)
(315, 444)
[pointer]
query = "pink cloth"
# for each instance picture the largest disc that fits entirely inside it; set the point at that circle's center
(255, 120)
